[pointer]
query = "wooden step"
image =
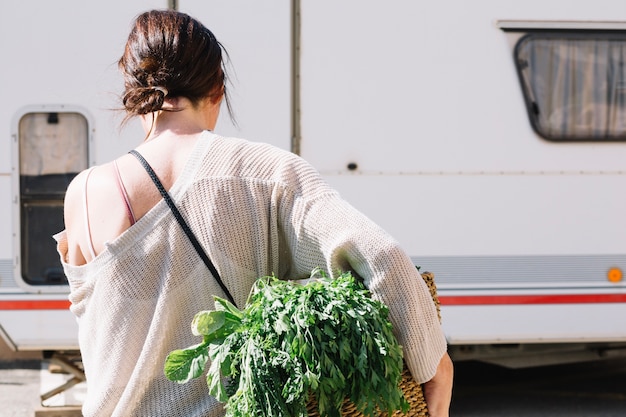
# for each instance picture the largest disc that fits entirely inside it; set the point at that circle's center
(68, 411)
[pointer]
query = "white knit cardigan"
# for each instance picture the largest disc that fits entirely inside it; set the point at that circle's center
(257, 210)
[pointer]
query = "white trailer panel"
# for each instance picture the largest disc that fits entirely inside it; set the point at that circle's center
(413, 110)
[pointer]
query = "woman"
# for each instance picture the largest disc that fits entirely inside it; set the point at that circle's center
(136, 281)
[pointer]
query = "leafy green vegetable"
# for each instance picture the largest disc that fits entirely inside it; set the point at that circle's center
(185, 364)
(327, 338)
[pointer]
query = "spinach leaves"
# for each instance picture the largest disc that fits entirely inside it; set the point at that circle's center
(327, 339)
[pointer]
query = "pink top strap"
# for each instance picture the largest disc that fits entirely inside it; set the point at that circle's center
(86, 216)
(124, 194)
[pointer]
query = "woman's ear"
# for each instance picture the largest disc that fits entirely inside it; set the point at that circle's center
(217, 98)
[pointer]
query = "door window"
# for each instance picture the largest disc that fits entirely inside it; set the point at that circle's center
(53, 148)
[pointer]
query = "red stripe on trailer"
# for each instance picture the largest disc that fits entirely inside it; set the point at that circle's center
(449, 300)
(34, 304)
(460, 300)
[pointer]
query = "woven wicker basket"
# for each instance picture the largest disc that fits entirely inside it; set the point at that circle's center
(412, 390)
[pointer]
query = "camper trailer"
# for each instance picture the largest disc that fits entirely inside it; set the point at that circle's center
(488, 137)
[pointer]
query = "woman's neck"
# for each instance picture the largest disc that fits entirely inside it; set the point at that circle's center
(180, 117)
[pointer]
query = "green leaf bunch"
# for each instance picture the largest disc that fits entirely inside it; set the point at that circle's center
(327, 339)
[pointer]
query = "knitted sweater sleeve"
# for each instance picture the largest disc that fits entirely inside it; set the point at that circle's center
(330, 233)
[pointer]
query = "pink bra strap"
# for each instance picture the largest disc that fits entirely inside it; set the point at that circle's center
(124, 194)
(86, 216)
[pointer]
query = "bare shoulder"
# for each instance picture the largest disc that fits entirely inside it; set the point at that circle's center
(73, 217)
(75, 189)
(74, 196)
(92, 183)
(88, 211)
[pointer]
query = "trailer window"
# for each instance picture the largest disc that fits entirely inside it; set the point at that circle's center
(52, 150)
(574, 84)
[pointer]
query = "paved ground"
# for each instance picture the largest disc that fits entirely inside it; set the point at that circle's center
(19, 388)
(592, 389)
(577, 390)
(23, 381)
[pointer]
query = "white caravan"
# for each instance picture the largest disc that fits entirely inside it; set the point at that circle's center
(488, 137)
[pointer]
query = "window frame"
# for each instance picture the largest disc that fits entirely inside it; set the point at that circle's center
(17, 206)
(569, 32)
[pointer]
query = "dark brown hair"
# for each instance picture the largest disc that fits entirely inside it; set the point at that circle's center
(170, 53)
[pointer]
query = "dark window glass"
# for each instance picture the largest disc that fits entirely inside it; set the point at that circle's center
(574, 84)
(52, 150)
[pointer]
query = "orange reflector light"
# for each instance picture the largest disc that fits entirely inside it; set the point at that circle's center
(614, 275)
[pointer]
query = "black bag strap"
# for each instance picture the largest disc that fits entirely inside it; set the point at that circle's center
(183, 223)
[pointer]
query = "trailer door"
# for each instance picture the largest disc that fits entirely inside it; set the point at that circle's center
(52, 147)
